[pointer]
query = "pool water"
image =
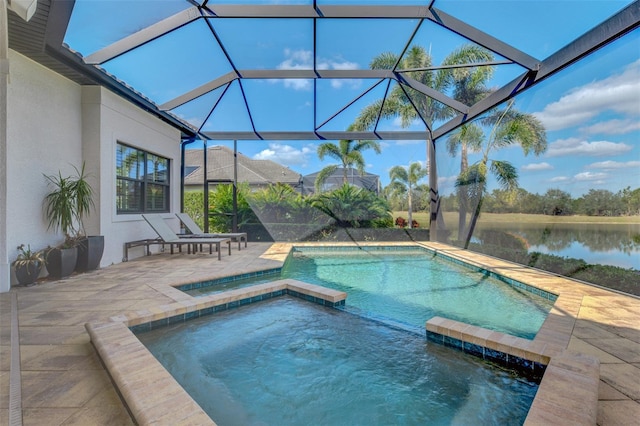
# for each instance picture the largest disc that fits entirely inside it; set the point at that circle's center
(290, 362)
(411, 286)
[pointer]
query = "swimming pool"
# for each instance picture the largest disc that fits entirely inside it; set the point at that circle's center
(411, 285)
(287, 361)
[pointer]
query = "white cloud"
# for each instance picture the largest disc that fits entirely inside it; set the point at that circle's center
(410, 142)
(612, 127)
(534, 167)
(590, 177)
(349, 82)
(286, 154)
(345, 65)
(415, 124)
(559, 179)
(618, 93)
(296, 59)
(303, 60)
(446, 182)
(330, 64)
(614, 165)
(576, 146)
(297, 83)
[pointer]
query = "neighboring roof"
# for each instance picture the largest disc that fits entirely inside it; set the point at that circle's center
(220, 167)
(43, 40)
(368, 181)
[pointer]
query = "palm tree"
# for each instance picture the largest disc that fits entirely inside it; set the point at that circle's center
(509, 127)
(405, 181)
(349, 153)
(351, 207)
(468, 137)
(468, 86)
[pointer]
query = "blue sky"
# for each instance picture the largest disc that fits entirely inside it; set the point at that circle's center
(591, 110)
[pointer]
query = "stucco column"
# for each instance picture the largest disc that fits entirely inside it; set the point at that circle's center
(5, 269)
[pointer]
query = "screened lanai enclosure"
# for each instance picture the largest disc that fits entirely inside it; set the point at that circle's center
(507, 127)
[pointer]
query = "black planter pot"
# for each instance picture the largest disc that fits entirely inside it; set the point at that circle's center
(61, 262)
(90, 250)
(28, 274)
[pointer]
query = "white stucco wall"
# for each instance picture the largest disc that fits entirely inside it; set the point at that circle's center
(43, 136)
(55, 124)
(5, 270)
(108, 119)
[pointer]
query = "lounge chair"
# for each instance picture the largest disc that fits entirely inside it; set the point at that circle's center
(196, 232)
(167, 236)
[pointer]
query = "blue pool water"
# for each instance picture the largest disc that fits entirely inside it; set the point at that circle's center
(411, 286)
(290, 362)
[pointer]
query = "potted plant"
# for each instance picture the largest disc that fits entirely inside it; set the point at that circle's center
(90, 248)
(28, 265)
(69, 201)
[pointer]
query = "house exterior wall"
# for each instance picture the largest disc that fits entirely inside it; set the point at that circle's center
(54, 124)
(43, 137)
(5, 271)
(108, 119)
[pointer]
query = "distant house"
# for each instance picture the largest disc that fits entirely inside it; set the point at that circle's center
(257, 173)
(367, 180)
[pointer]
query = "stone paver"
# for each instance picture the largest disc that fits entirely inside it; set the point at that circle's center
(64, 382)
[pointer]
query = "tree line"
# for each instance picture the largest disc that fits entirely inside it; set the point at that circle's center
(556, 202)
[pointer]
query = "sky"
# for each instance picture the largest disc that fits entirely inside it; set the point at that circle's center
(591, 110)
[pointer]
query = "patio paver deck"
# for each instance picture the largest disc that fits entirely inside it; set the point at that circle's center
(63, 381)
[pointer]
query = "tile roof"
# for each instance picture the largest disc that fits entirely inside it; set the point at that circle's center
(220, 167)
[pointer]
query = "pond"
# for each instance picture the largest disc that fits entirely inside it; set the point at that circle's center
(595, 243)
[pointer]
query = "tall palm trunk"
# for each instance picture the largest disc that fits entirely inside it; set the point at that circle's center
(463, 199)
(474, 220)
(409, 207)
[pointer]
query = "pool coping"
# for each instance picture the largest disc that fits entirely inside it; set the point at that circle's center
(568, 390)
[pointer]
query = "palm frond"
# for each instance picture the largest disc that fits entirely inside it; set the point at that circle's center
(363, 145)
(384, 61)
(399, 174)
(506, 174)
(322, 176)
(329, 149)
(416, 172)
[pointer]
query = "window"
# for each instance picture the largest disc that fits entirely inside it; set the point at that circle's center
(142, 181)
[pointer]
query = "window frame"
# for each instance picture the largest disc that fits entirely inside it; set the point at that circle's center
(145, 181)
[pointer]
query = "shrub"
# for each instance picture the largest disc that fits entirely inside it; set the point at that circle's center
(221, 207)
(350, 206)
(280, 203)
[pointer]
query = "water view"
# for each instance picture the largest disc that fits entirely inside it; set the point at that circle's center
(595, 243)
